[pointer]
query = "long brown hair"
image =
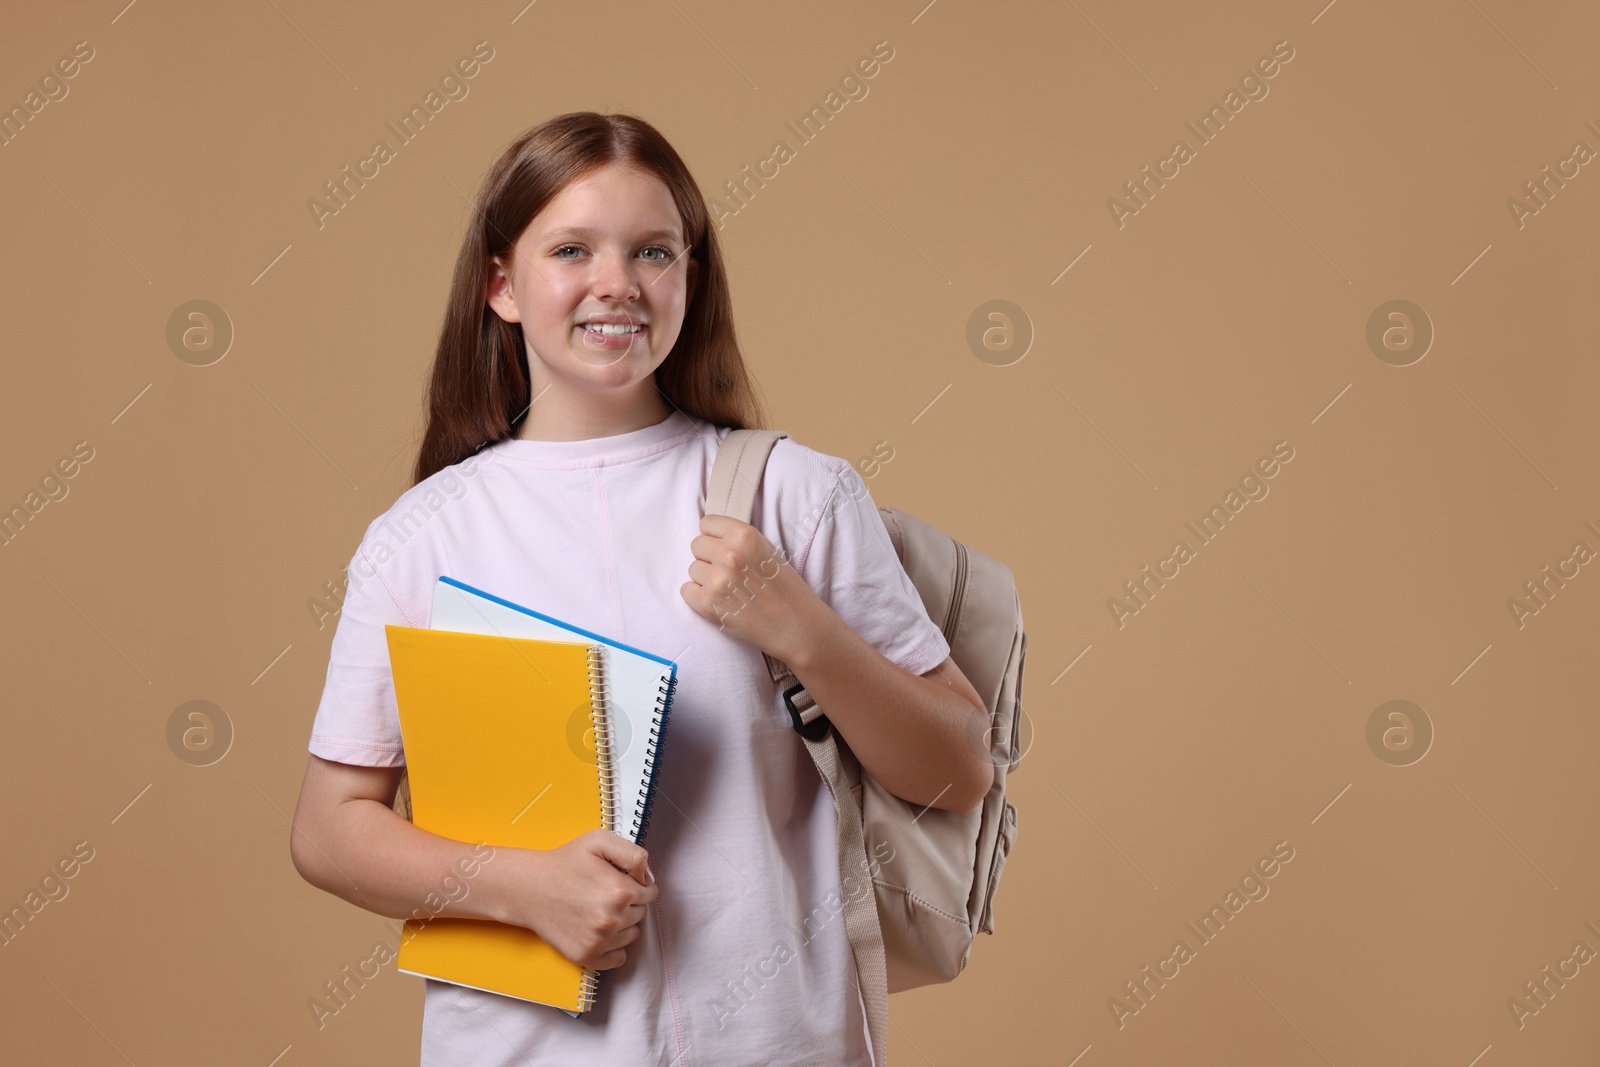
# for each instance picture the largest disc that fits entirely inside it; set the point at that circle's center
(479, 388)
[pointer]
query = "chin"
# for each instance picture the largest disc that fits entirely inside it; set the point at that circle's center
(622, 373)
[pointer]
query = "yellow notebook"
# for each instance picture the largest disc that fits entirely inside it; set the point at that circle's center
(506, 743)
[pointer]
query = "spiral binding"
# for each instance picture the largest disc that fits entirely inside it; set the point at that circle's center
(602, 740)
(590, 983)
(586, 990)
(658, 730)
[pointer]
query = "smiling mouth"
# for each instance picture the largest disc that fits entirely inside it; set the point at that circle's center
(600, 329)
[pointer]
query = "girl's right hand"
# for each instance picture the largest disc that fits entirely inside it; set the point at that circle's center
(576, 899)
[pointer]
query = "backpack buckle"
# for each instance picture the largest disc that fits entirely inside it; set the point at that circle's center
(817, 728)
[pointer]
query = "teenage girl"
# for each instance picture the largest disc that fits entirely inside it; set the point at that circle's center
(586, 370)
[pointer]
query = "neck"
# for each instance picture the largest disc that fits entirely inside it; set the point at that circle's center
(559, 416)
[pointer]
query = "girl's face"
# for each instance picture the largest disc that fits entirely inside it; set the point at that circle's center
(608, 248)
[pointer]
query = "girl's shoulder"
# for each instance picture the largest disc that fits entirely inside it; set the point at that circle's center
(796, 472)
(801, 489)
(423, 512)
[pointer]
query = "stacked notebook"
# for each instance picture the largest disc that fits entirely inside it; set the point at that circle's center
(522, 731)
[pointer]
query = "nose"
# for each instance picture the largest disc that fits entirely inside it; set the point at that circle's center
(614, 278)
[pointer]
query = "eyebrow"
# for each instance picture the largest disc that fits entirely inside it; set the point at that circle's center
(583, 231)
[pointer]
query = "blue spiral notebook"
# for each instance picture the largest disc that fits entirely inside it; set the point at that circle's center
(637, 691)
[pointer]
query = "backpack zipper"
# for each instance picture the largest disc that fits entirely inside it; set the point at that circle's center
(956, 594)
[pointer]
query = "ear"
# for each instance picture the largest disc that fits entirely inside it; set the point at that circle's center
(499, 295)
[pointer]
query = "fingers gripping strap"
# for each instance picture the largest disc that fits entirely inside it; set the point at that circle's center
(741, 460)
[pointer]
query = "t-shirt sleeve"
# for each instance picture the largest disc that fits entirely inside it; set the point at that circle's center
(357, 721)
(851, 564)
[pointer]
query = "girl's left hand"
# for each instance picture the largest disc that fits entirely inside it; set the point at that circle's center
(740, 581)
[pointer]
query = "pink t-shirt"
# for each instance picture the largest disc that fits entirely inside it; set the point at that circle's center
(743, 958)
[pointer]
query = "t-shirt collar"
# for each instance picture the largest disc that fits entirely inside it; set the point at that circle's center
(601, 451)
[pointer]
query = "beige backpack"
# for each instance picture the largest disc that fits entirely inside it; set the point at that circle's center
(935, 872)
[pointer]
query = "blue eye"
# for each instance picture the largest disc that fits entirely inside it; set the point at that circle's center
(666, 253)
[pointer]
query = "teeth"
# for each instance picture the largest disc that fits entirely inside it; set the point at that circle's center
(611, 328)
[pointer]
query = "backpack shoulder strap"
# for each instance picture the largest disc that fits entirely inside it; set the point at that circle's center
(741, 457)
(735, 476)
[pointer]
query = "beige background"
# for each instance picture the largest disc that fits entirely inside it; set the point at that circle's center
(1227, 315)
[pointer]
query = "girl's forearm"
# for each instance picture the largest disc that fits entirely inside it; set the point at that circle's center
(365, 853)
(920, 738)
